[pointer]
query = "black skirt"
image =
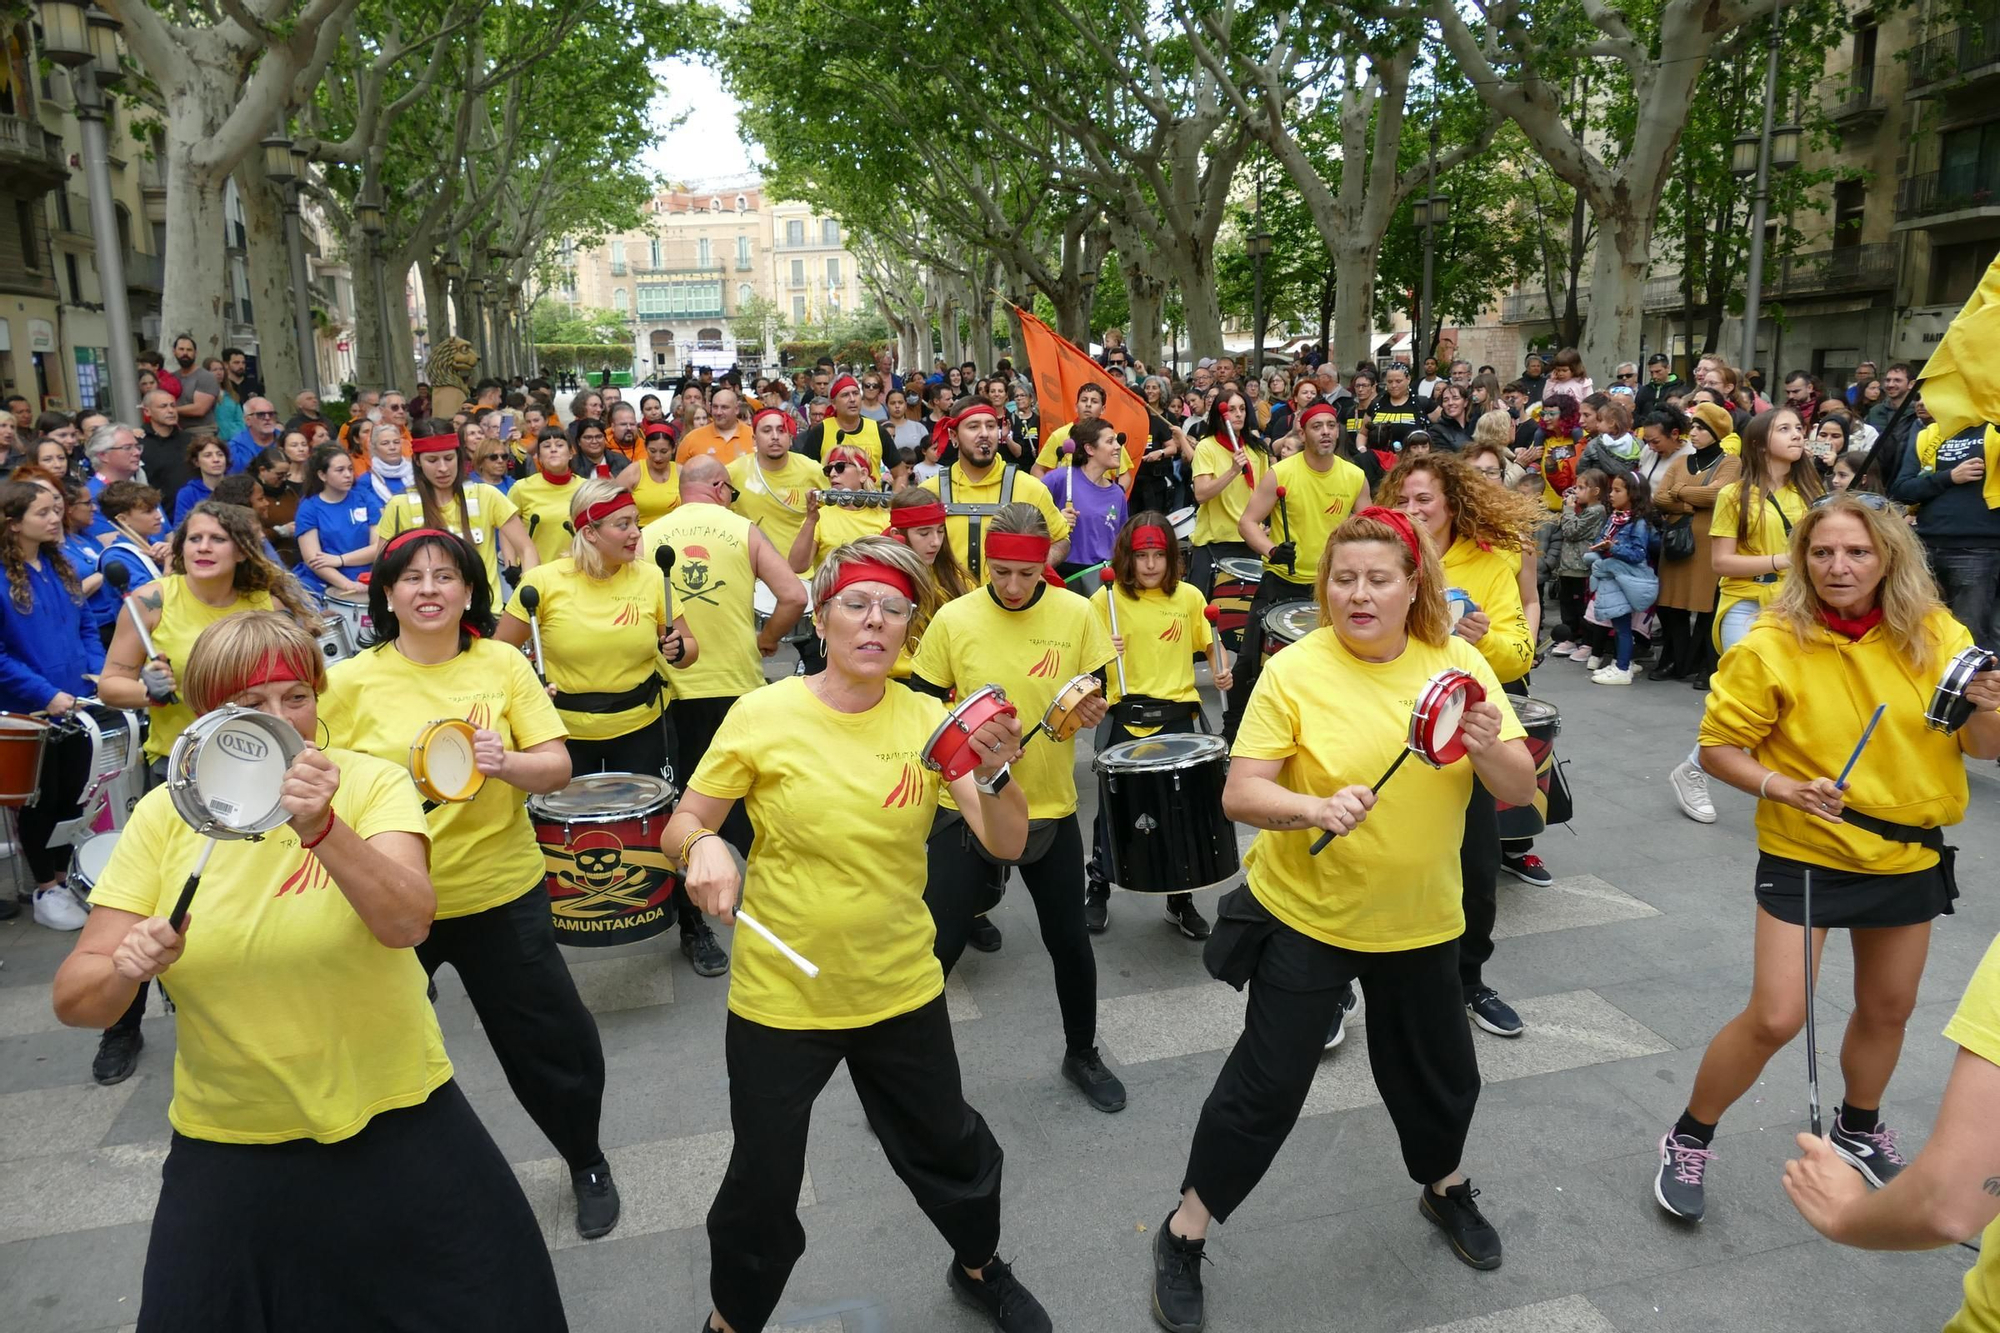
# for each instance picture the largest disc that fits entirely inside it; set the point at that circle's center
(415, 1224)
(1851, 899)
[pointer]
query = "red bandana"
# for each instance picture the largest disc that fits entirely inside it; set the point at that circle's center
(1023, 546)
(1853, 629)
(1405, 530)
(555, 478)
(845, 382)
(869, 571)
(1149, 538)
(917, 516)
(604, 509)
(434, 444)
(404, 539)
(942, 433)
(779, 413)
(1318, 410)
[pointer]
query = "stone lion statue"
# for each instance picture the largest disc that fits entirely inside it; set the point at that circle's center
(449, 370)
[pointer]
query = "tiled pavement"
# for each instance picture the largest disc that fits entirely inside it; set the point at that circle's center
(1623, 970)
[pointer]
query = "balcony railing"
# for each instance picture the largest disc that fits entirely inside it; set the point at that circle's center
(1950, 190)
(1662, 293)
(24, 143)
(1960, 51)
(617, 268)
(1853, 268)
(1857, 94)
(145, 273)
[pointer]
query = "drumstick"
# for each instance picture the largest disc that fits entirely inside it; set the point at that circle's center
(121, 578)
(1859, 746)
(798, 960)
(530, 598)
(1319, 843)
(179, 914)
(1111, 600)
(1812, 1052)
(1285, 518)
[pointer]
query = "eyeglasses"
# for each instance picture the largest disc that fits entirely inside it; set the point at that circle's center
(1867, 499)
(261, 414)
(871, 384)
(896, 610)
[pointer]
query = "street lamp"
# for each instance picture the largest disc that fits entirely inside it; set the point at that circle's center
(1259, 247)
(86, 43)
(1776, 146)
(368, 213)
(285, 167)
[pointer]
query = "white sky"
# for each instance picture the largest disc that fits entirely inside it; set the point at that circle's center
(708, 144)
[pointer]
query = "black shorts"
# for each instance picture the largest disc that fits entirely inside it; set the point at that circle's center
(1848, 898)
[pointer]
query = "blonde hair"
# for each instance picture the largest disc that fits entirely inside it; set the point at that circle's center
(1906, 594)
(1019, 517)
(1428, 621)
(1494, 429)
(233, 649)
(886, 551)
(581, 549)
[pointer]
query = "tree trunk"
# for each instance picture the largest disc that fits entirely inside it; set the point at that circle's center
(269, 268)
(1617, 291)
(1189, 265)
(371, 360)
(1147, 296)
(1326, 290)
(402, 340)
(1353, 315)
(197, 275)
(437, 304)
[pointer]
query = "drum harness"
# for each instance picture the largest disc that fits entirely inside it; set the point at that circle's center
(973, 514)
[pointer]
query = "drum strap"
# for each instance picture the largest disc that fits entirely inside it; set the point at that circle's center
(1932, 838)
(1139, 710)
(974, 513)
(638, 696)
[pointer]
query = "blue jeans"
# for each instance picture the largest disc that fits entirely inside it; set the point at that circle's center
(1968, 581)
(1623, 626)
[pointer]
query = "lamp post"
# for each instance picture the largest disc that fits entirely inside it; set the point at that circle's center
(1259, 247)
(454, 274)
(86, 42)
(1757, 155)
(475, 304)
(284, 165)
(368, 212)
(1431, 212)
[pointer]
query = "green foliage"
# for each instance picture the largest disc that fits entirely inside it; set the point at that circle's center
(553, 321)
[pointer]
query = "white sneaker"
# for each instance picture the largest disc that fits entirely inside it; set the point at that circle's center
(58, 909)
(1565, 648)
(1579, 654)
(1611, 675)
(1691, 790)
(1595, 663)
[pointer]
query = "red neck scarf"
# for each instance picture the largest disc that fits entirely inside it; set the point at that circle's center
(1853, 629)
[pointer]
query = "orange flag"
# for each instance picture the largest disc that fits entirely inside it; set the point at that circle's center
(1060, 368)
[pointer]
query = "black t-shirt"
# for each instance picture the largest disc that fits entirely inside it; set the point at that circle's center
(1392, 422)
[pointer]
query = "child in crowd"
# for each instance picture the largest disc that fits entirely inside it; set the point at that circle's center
(1621, 570)
(1847, 469)
(1566, 377)
(1616, 448)
(1581, 524)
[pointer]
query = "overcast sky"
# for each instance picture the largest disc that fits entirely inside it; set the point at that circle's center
(708, 143)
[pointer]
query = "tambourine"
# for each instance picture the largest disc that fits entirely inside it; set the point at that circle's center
(950, 751)
(1436, 735)
(1061, 720)
(1459, 603)
(855, 499)
(441, 762)
(1949, 708)
(225, 772)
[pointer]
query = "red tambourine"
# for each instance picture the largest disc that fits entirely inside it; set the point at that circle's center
(950, 750)
(1436, 736)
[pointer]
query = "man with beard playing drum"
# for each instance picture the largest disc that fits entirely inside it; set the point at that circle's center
(845, 889)
(976, 487)
(1028, 638)
(1380, 906)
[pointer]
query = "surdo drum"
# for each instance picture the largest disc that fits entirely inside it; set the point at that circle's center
(1543, 723)
(1161, 797)
(1288, 622)
(1236, 580)
(608, 880)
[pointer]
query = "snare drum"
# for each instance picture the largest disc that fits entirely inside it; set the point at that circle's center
(87, 862)
(22, 740)
(1949, 708)
(1182, 521)
(1161, 801)
(608, 880)
(1236, 580)
(1287, 623)
(116, 743)
(225, 771)
(1543, 722)
(360, 626)
(336, 637)
(764, 603)
(1062, 720)
(441, 762)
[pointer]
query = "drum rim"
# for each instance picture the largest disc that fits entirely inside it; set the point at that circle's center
(1106, 762)
(538, 808)
(420, 759)
(925, 755)
(1555, 713)
(1228, 564)
(182, 790)
(1231, 878)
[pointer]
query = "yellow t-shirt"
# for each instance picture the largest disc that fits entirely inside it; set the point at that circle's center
(483, 851)
(713, 589)
(599, 636)
(1028, 489)
(1766, 536)
(839, 525)
(1976, 1027)
(1216, 520)
(853, 904)
(545, 509)
(1799, 710)
(1315, 504)
(1336, 721)
(1053, 455)
(1162, 635)
(1493, 578)
(183, 616)
(656, 499)
(775, 500)
(292, 1020)
(1031, 654)
(490, 512)
(866, 436)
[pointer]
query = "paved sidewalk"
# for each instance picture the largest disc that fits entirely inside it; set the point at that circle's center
(1623, 970)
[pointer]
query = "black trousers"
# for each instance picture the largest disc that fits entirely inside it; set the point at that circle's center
(546, 1041)
(65, 771)
(1110, 733)
(905, 1070)
(1688, 650)
(641, 751)
(963, 882)
(1479, 871)
(691, 728)
(1513, 846)
(1419, 1049)
(1250, 662)
(414, 1224)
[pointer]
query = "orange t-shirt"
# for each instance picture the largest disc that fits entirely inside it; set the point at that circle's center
(726, 449)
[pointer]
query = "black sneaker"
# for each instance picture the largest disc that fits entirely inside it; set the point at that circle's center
(117, 1054)
(1177, 1300)
(1472, 1237)
(1493, 1013)
(1098, 1084)
(1348, 1002)
(703, 950)
(1678, 1183)
(999, 1295)
(985, 936)
(1874, 1154)
(1184, 916)
(596, 1200)
(1528, 868)
(1097, 908)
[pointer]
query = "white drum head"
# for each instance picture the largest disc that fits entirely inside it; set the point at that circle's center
(448, 760)
(1451, 710)
(763, 601)
(94, 855)
(237, 777)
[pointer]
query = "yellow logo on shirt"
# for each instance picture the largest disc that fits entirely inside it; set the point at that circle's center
(1050, 663)
(628, 614)
(310, 875)
(1173, 633)
(908, 790)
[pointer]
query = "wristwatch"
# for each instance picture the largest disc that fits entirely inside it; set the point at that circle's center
(998, 784)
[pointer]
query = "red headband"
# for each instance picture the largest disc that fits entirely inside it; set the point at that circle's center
(1405, 530)
(604, 509)
(948, 426)
(1149, 538)
(1320, 409)
(777, 412)
(843, 383)
(433, 444)
(1024, 546)
(276, 666)
(917, 516)
(405, 538)
(869, 571)
(662, 428)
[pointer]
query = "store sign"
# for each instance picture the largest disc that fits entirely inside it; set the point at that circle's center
(41, 336)
(1920, 331)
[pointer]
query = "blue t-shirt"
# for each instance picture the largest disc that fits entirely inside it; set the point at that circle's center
(343, 527)
(1100, 512)
(100, 526)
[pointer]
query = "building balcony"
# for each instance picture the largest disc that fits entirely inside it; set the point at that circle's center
(1959, 58)
(1853, 268)
(1662, 293)
(72, 218)
(1952, 204)
(1856, 98)
(742, 265)
(145, 273)
(617, 268)
(30, 157)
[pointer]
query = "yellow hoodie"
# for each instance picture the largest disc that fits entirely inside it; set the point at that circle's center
(1799, 711)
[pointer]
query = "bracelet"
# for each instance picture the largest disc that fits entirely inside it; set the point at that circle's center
(1764, 787)
(320, 837)
(687, 844)
(1774, 564)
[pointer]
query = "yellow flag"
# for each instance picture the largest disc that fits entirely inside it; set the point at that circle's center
(1961, 381)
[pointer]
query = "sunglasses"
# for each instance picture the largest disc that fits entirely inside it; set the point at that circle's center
(1867, 499)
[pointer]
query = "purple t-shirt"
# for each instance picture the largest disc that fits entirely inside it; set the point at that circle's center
(1100, 512)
